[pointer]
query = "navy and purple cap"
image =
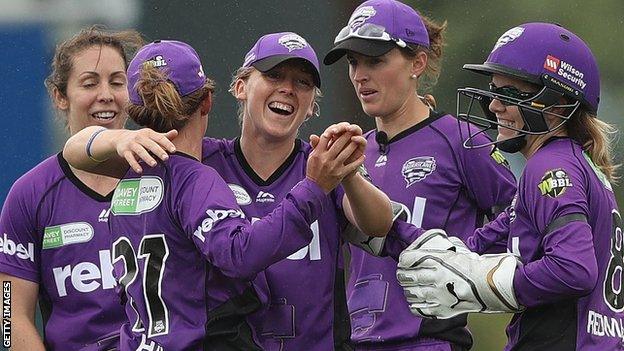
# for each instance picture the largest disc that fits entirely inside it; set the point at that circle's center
(272, 49)
(546, 54)
(179, 60)
(378, 26)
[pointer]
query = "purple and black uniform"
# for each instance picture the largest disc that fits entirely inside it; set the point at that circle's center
(566, 227)
(55, 233)
(441, 185)
(177, 229)
(303, 286)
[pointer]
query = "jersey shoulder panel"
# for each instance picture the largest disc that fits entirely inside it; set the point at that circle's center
(37, 182)
(212, 146)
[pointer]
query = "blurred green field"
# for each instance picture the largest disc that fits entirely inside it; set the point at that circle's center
(488, 331)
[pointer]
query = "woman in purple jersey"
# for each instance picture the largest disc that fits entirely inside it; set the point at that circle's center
(415, 155)
(88, 86)
(562, 277)
(151, 107)
(277, 88)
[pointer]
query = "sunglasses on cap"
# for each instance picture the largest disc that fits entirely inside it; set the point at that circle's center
(367, 31)
(511, 92)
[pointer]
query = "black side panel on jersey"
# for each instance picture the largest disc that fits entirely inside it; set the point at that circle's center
(549, 327)
(342, 320)
(452, 330)
(227, 328)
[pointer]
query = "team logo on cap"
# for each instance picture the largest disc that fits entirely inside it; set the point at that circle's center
(554, 183)
(249, 58)
(292, 42)
(156, 61)
(508, 37)
(416, 169)
(360, 16)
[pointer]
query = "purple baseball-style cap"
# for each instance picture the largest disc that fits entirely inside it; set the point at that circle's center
(179, 60)
(378, 26)
(272, 49)
(546, 54)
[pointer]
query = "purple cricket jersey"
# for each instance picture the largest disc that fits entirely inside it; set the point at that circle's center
(178, 234)
(302, 286)
(566, 227)
(441, 185)
(55, 233)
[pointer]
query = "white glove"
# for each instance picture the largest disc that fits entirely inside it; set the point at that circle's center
(441, 278)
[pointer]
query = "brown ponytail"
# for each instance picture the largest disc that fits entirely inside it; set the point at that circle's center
(163, 108)
(597, 138)
(436, 31)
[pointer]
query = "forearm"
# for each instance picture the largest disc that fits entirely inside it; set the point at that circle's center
(400, 236)
(366, 207)
(101, 148)
(94, 150)
(567, 269)
(24, 335)
(244, 252)
(483, 239)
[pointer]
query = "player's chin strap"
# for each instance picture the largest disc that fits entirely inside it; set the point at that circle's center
(441, 278)
(372, 244)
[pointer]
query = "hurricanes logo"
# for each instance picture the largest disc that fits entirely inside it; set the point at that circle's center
(360, 16)
(250, 57)
(499, 158)
(292, 42)
(508, 37)
(554, 183)
(156, 61)
(416, 169)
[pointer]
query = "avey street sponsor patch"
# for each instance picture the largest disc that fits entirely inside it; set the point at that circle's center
(554, 183)
(66, 234)
(136, 196)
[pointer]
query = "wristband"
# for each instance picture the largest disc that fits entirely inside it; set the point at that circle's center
(91, 138)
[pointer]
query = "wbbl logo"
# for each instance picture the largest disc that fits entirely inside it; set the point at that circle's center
(554, 183)
(416, 169)
(292, 42)
(157, 61)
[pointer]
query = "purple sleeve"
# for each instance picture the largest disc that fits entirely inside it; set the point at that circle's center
(400, 236)
(19, 247)
(567, 266)
(567, 269)
(210, 216)
(494, 232)
(487, 177)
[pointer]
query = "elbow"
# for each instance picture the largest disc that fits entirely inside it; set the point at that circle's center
(380, 226)
(581, 279)
(588, 280)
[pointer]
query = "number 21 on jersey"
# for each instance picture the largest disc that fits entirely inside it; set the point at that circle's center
(153, 251)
